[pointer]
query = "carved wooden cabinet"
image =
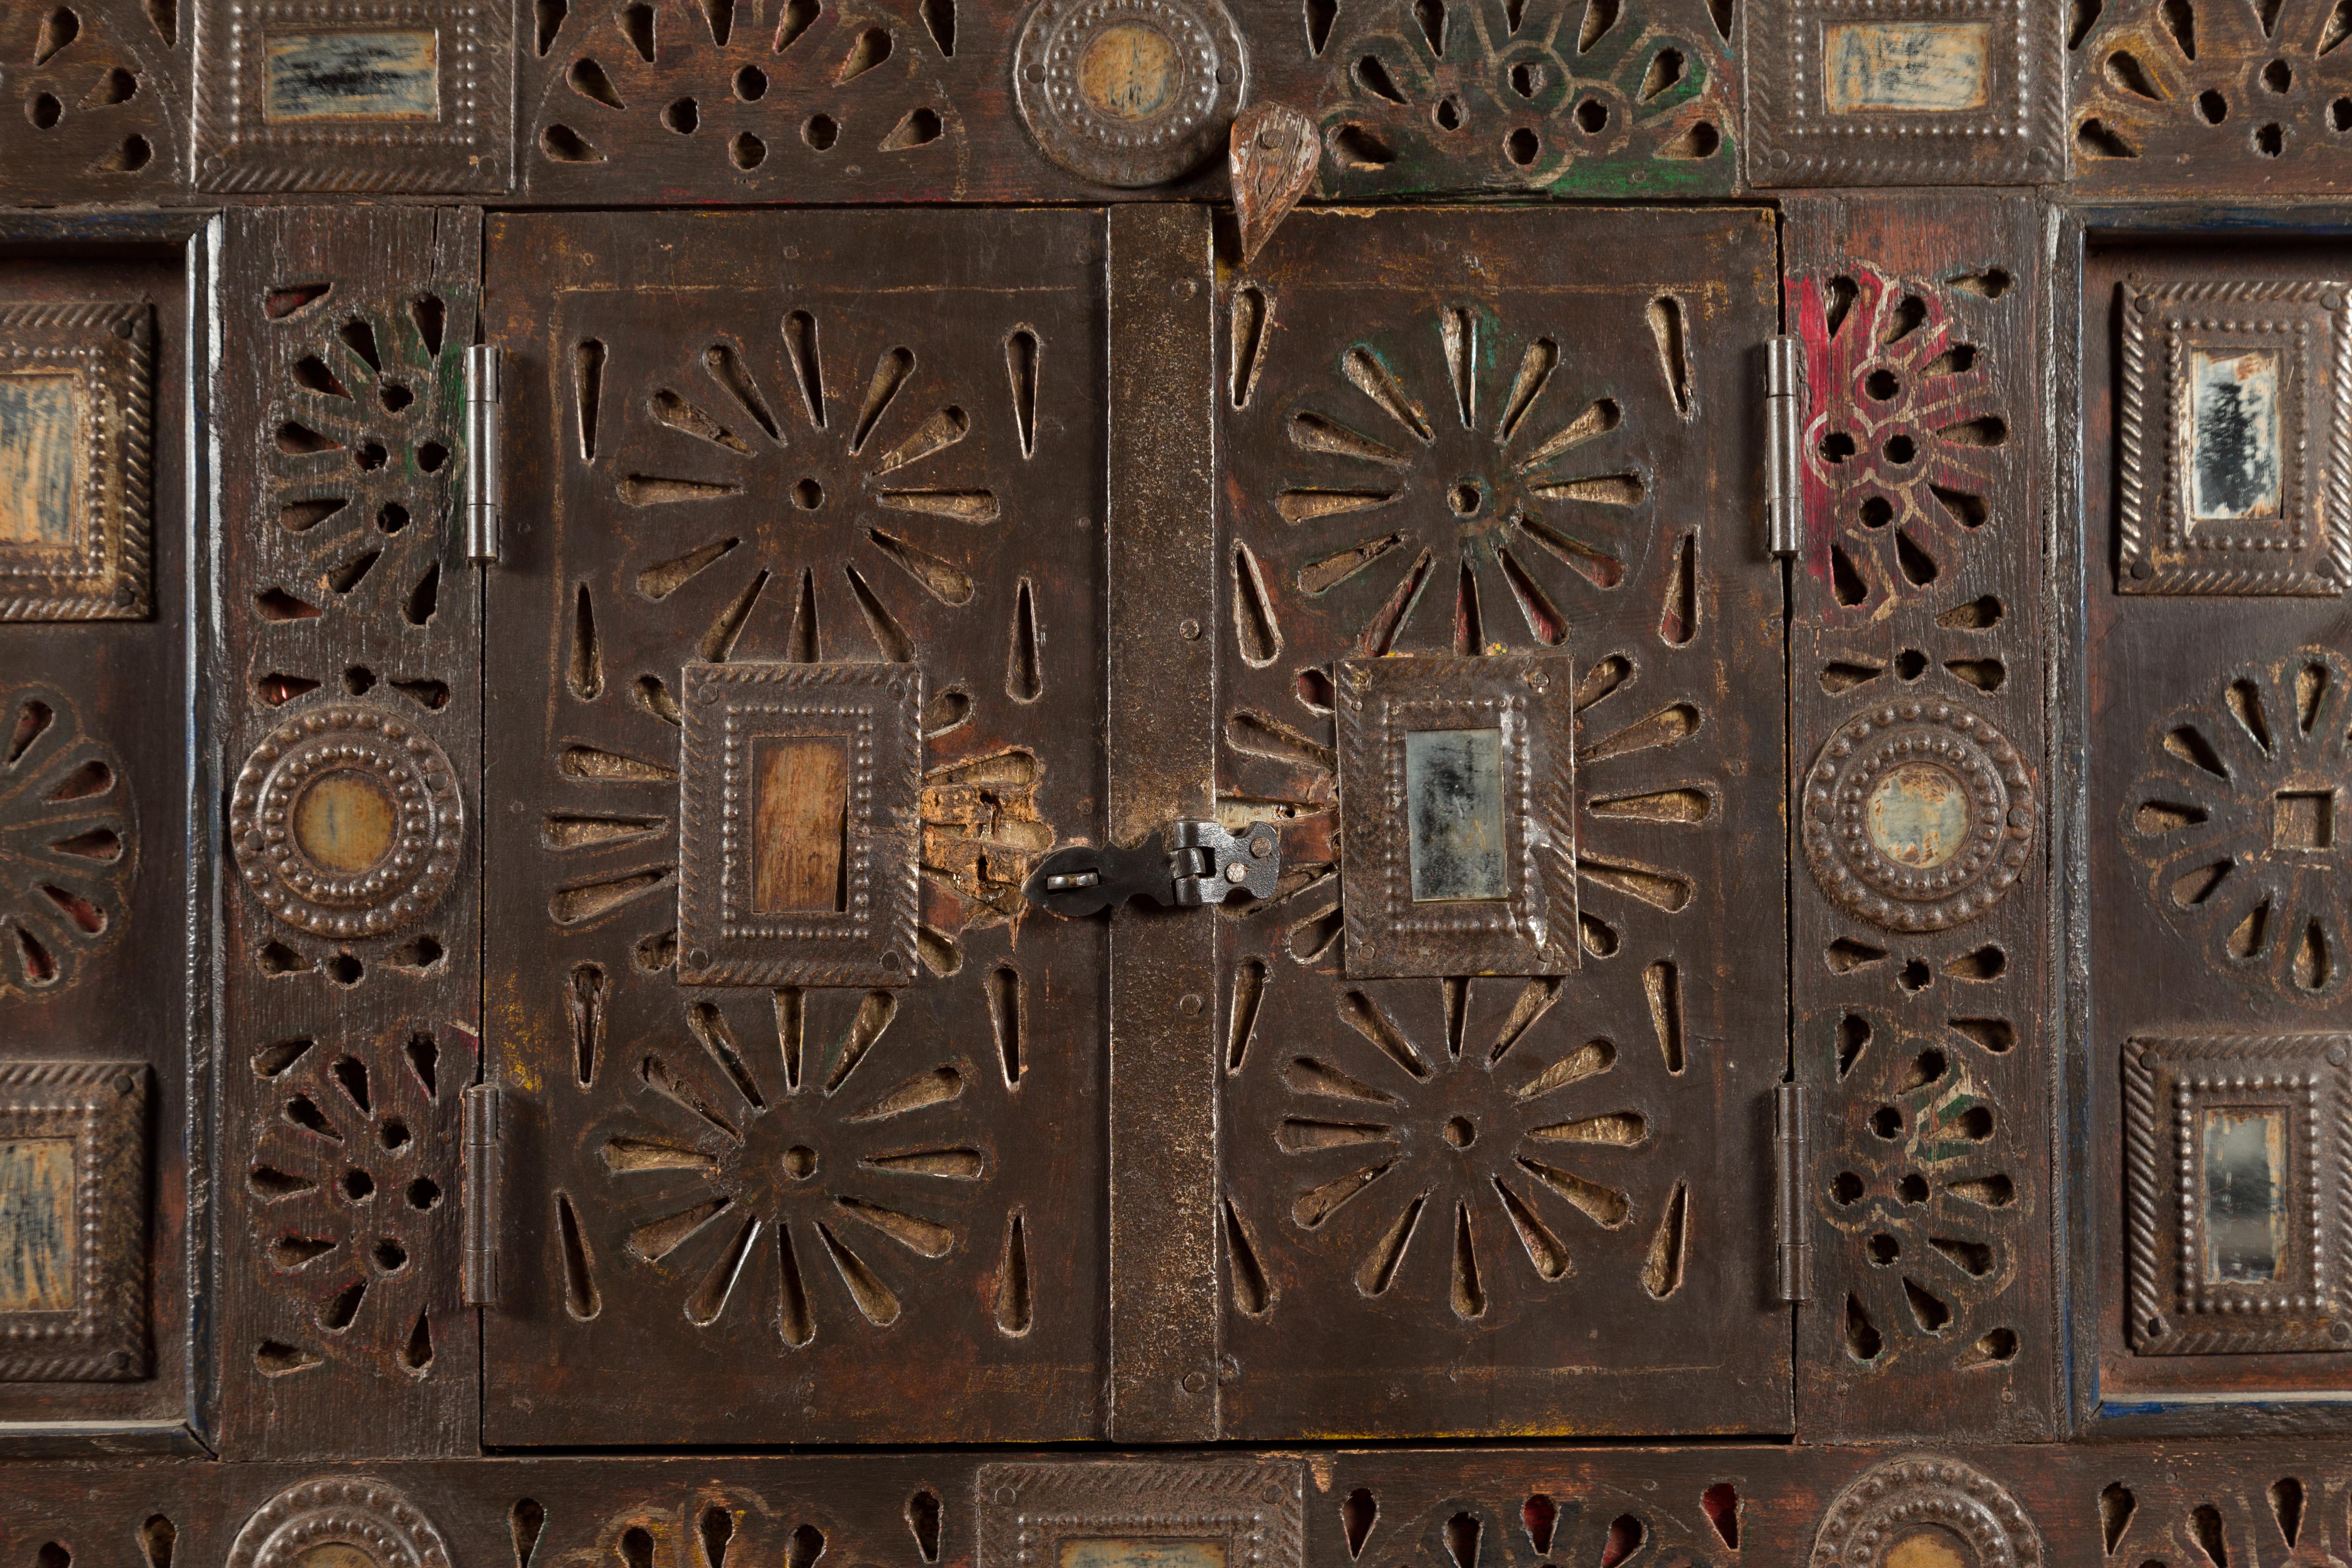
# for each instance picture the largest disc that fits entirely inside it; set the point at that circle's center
(1174, 784)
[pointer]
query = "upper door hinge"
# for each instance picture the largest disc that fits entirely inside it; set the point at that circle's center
(1192, 862)
(1792, 1244)
(485, 1136)
(1784, 423)
(485, 462)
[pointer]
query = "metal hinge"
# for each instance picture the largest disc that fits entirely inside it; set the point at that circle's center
(485, 462)
(1792, 1244)
(1784, 429)
(1192, 862)
(485, 1132)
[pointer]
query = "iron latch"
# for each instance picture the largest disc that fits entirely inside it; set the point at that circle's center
(484, 1169)
(1792, 1237)
(1784, 435)
(484, 462)
(1192, 862)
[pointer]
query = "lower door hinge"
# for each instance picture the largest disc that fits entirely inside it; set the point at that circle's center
(485, 462)
(1784, 429)
(1792, 1244)
(485, 1134)
(1192, 862)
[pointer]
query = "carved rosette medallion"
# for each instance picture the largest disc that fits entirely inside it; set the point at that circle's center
(1129, 92)
(359, 1514)
(1925, 1510)
(347, 822)
(1918, 816)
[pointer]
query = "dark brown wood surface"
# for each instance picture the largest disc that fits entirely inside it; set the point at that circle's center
(1923, 1028)
(801, 1210)
(343, 591)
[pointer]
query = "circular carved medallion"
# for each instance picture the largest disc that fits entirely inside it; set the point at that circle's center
(1129, 92)
(355, 1522)
(1917, 816)
(347, 822)
(1926, 1512)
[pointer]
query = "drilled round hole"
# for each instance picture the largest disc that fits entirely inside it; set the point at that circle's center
(422, 1192)
(2211, 107)
(1521, 146)
(750, 84)
(1448, 114)
(1884, 1249)
(1878, 511)
(1910, 664)
(1459, 1133)
(2269, 140)
(357, 1185)
(1912, 1188)
(1881, 383)
(821, 132)
(1592, 116)
(800, 1162)
(1915, 976)
(2339, 114)
(1976, 1122)
(1900, 450)
(431, 456)
(345, 969)
(394, 396)
(2278, 75)
(393, 1133)
(44, 111)
(1837, 446)
(1528, 78)
(682, 116)
(392, 518)
(1888, 1122)
(389, 1256)
(808, 495)
(747, 151)
(1465, 498)
(1845, 1189)
(370, 455)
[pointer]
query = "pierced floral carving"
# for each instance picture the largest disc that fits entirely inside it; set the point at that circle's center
(1531, 93)
(2238, 821)
(68, 843)
(1905, 441)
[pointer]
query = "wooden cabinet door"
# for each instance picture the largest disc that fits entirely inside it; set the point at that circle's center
(1496, 1152)
(805, 552)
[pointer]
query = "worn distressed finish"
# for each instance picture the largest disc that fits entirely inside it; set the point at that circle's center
(2213, 783)
(73, 1232)
(1922, 993)
(1452, 436)
(93, 105)
(849, 453)
(78, 395)
(349, 1012)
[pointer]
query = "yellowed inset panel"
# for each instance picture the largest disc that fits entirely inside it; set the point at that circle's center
(36, 1224)
(344, 821)
(346, 74)
(1130, 71)
(800, 824)
(1121, 1553)
(1905, 68)
(40, 502)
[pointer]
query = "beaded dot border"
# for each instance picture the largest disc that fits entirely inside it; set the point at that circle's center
(1209, 54)
(429, 828)
(1889, 1502)
(1864, 882)
(362, 1512)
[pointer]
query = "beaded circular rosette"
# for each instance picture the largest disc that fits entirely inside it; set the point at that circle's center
(1901, 876)
(1194, 71)
(358, 1512)
(402, 768)
(1899, 1499)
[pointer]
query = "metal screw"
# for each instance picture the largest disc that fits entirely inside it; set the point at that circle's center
(1185, 288)
(1261, 846)
(1189, 629)
(2142, 569)
(1189, 1003)
(1237, 872)
(1195, 1382)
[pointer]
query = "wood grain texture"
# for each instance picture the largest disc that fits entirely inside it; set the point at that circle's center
(1923, 1009)
(348, 1023)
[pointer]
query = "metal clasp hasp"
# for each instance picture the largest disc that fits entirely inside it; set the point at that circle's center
(1192, 862)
